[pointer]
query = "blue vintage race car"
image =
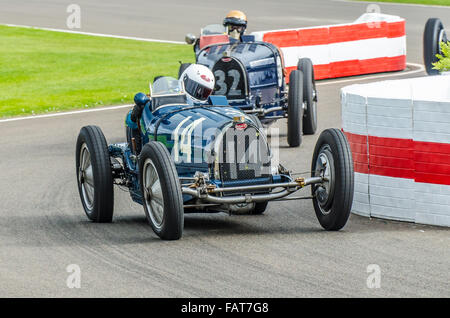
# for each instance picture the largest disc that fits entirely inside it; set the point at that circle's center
(251, 75)
(203, 158)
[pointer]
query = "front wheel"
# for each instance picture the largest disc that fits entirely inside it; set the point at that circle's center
(260, 208)
(94, 176)
(433, 35)
(295, 108)
(161, 191)
(332, 160)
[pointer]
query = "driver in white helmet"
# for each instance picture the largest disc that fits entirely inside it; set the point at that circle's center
(197, 81)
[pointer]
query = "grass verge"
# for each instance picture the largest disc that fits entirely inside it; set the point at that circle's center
(45, 71)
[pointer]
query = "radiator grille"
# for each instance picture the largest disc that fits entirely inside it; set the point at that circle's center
(244, 155)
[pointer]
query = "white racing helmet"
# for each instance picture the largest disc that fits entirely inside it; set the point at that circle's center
(198, 82)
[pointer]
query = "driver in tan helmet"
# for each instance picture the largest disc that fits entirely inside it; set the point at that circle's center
(236, 23)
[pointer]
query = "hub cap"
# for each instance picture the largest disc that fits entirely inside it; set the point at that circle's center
(442, 38)
(153, 196)
(86, 177)
(325, 168)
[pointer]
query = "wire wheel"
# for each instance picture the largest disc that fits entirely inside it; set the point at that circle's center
(86, 177)
(325, 168)
(153, 195)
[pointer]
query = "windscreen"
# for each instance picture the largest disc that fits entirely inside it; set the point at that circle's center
(212, 29)
(166, 86)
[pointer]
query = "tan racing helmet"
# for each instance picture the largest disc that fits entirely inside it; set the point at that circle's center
(236, 23)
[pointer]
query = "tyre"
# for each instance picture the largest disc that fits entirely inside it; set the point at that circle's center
(333, 198)
(309, 96)
(433, 34)
(182, 68)
(256, 120)
(295, 108)
(260, 208)
(161, 191)
(94, 177)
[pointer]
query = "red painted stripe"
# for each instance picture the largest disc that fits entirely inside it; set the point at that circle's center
(391, 172)
(391, 142)
(282, 38)
(396, 29)
(355, 67)
(316, 36)
(356, 32)
(335, 34)
(358, 145)
(427, 162)
(434, 147)
(434, 178)
(397, 63)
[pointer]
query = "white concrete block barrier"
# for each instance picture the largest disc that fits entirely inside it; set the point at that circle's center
(374, 43)
(399, 133)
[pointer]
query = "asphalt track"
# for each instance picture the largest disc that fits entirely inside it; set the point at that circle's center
(283, 253)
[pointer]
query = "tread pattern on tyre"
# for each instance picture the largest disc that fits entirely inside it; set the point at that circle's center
(309, 122)
(295, 108)
(344, 178)
(260, 208)
(173, 222)
(103, 183)
(431, 44)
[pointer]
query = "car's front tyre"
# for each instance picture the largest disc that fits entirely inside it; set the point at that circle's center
(260, 208)
(433, 34)
(94, 177)
(333, 198)
(161, 191)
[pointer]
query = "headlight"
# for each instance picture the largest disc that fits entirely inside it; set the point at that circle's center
(279, 71)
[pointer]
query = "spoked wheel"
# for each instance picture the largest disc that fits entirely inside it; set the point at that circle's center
(161, 191)
(433, 35)
(295, 108)
(309, 96)
(94, 177)
(332, 160)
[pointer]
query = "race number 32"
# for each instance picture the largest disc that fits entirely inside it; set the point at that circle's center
(231, 80)
(222, 87)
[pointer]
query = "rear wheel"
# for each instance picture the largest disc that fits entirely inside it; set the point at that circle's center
(332, 160)
(433, 35)
(309, 96)
(161, 191)
(94, 177)
(295, 108)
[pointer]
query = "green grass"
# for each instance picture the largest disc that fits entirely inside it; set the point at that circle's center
(430, 2)
(45, 71)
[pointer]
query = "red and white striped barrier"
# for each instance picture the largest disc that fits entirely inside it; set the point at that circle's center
(400, 139)
(373, 43)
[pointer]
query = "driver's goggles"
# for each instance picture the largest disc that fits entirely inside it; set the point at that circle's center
(239, 28)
